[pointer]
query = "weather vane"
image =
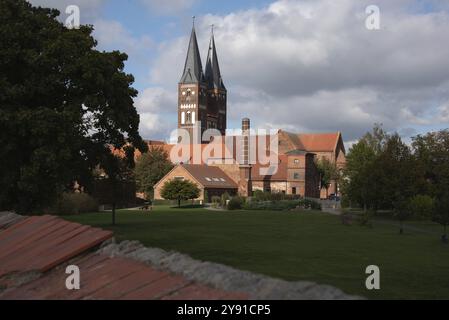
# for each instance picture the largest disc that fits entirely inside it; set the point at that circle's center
(193, 20)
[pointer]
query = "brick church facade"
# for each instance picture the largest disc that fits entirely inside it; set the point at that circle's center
(202, 105)
(202, 95)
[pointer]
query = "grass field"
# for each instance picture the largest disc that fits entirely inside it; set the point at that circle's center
(296, 246)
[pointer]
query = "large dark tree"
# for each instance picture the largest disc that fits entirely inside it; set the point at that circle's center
(63, 104)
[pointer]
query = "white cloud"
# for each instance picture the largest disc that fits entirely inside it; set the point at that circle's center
(313, 66)
(149, 123)
(307, 65)
(443, 114)
(158, 112)
(156, 99)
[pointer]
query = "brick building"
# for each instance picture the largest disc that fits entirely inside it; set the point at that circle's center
(210, 180)
(202, 105)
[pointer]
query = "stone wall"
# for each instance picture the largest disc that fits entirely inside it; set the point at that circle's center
(224, 277)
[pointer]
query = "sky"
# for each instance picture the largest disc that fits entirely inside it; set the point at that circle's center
(300, 66)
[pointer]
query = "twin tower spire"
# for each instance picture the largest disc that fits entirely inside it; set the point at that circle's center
(193, 68)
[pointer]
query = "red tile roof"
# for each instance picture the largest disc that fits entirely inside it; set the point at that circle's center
(314, 142)
(210, 176)
(46, 245)
(319, 141)
(41, 243)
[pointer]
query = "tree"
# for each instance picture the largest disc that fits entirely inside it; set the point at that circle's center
(397, 178)
(63, 104)
(432, 153)
(402, 212)
(359, 185)
(382, 172)
(328, 172)
(179, 190)
(422, 206)
(377, 139)
(150, 168)
(441, 213)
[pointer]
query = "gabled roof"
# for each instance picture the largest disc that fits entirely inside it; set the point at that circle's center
(209, 176)
(193, 69)
(320, 141)
(313, 142)
(212, 72)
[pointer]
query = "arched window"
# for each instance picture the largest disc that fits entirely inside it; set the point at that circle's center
(188, 117)
(188, 95)
(183, 118)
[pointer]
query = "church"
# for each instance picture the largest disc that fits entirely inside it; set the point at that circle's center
(202, 95)
(225, 165)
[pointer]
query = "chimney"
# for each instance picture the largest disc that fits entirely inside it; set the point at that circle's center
(245, 183)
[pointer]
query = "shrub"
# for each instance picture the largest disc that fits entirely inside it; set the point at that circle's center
(163, 202)
(280, 205)
(235, 203)
(224, 199)
(216, 200)
(271, 205)
(74, 203)
(259, 195)
(421, 206)
(309, 204)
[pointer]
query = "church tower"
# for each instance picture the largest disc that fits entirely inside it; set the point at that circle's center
(216, 91)
(192, 91)
(201, 96)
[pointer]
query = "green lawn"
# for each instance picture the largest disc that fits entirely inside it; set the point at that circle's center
(296, 246)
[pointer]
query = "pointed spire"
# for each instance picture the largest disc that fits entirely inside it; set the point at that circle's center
(193, 69)
(213, 75)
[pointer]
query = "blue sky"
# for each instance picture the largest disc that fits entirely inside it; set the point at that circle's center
(297, 65)
(163, 25)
